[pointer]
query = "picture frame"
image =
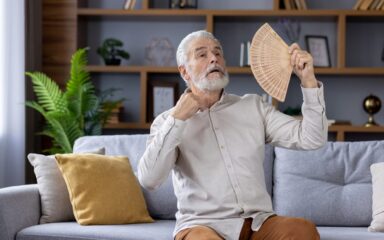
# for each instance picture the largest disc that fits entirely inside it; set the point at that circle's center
(161, 97)
(318, 47)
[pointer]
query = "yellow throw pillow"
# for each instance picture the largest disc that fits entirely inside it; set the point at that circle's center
(103, 189)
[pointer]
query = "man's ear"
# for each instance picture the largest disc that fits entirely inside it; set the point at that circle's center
(183, 72)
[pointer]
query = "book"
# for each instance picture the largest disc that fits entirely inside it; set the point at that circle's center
(374, 4)
(358, 4)
(304, 5)
(127, 3)
(298, 4)
(380, 5)
(342, 122)
(287, 4)
(133, 3)
(365, 5)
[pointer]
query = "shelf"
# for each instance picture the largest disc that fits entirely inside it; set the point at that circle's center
(217, 21)
(231, 70)
(342, 129)
(354, 128)
(128, 125)
(152, 12)
(205, 12)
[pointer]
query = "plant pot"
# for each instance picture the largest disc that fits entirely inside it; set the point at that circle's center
(112, 61)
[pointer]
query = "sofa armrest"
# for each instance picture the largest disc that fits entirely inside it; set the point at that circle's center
(19, 208)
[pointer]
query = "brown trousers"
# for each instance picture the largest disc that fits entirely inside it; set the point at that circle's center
(274, 228)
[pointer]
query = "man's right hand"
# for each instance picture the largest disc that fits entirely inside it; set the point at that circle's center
(186, 107)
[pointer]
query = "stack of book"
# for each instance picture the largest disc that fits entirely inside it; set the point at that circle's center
(369, 5)
(129, 4)
(295, 5)
(115, 115)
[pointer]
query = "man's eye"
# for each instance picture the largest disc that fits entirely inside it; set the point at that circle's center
(202, 55)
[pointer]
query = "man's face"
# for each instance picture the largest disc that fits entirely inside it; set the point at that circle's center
(206, 68)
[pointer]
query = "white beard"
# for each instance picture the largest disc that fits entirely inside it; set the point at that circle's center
(204, 84)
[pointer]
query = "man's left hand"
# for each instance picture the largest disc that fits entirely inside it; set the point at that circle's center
(302, 63)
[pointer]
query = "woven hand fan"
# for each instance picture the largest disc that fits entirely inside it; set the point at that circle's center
(270, 62)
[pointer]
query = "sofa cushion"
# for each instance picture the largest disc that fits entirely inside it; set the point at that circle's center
(377, 171)
(55, 203)
(348, 233)
(103, 189)
(160, 230)
(161, 203)
(268, 167)
(330, 186)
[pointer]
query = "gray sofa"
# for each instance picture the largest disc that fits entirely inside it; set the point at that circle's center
(330, 186)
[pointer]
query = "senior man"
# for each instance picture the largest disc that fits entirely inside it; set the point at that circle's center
(213, 142)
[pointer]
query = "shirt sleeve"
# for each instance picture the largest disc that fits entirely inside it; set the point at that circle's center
(309, 133)
(161, 153)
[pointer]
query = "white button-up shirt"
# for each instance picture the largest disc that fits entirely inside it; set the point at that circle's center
(216, 158)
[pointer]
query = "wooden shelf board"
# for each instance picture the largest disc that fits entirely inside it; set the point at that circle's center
(223, 13)
(133, 69)
(231, 70)
(151, 12)
(336, 71)
(128, 125)
(113, 69)
(354, 128)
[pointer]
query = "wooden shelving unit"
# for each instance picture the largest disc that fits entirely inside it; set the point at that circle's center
(341, 130)
(340, 17)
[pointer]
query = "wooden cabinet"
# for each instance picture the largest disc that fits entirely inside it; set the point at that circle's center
(96, 21)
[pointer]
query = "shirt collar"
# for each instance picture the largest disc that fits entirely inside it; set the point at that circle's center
(219, 102)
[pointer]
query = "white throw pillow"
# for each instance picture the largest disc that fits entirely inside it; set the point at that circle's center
(377, 224)
(55, 203)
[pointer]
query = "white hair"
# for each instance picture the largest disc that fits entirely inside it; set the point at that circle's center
(183, 48)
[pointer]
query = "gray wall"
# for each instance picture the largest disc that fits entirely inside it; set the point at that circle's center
(344, 94)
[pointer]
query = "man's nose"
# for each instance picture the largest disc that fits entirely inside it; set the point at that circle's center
(213, 58)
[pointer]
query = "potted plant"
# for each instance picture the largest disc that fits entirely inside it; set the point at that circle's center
(111, 53)
(74, 112)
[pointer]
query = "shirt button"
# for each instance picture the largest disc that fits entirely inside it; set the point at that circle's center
(222, 147)
(216, 128)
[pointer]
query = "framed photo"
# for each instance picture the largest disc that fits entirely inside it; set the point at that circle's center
(162, 96)
(318, 47)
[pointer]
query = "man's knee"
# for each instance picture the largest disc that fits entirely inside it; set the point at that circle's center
(198, 233)
(300, 229)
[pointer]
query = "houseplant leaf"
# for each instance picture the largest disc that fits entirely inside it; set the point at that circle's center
(71, 114)
(48, 93)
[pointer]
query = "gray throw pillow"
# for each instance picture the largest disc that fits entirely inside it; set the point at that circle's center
(55, 203)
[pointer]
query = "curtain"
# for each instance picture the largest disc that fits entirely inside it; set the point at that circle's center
(12, 93)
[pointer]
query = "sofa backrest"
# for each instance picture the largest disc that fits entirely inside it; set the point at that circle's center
(161, 203)
(330, 186)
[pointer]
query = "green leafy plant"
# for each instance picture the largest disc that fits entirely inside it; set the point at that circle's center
(72, 113)
(111, 53)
